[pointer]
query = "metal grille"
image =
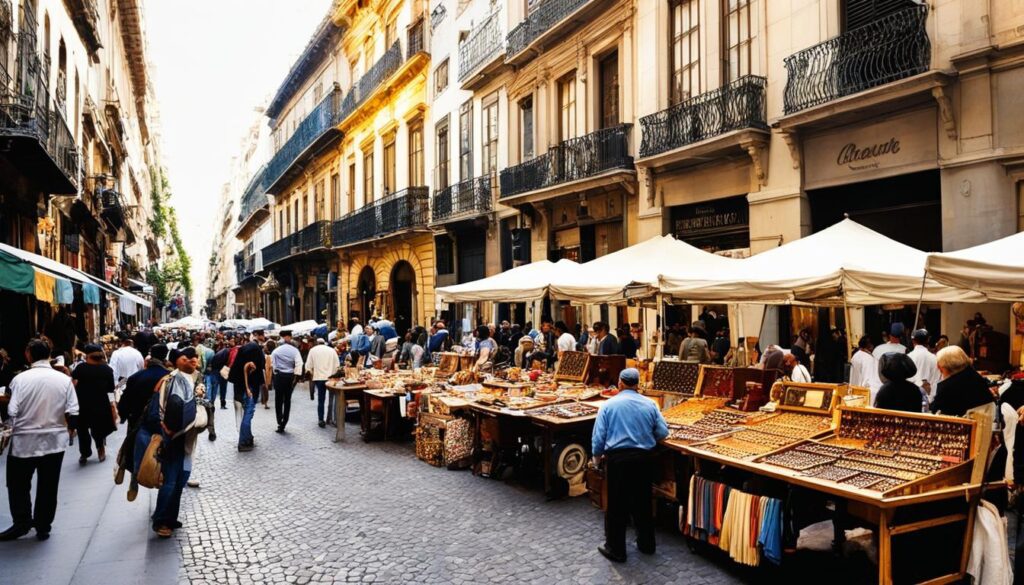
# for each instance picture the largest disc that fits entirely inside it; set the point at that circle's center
(372, 79)
(738, 105)
(314, 236)
(541, 20)
(483, 44)
(891, 48)
(323, 118)
(468, 198)
(406, 209)
(571, 160)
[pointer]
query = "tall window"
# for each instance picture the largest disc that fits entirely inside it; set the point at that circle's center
(336, 194)
(295, 211)
(684, 59)
(567, 107)
(280, 224)
(318, 195)
(738, 36)
(367, 54)
(305, 212)
(441, 77)
(390, 163)
(368, 177)
(443, 155)
(390, 34)
(609, 69)
(416, 154)
(466, 141)
(526, 110)
(490, 138)
(351, 187)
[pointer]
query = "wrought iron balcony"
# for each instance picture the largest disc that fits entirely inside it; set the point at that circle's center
(245, 266)
(316, 131)
(549, 14)
(469, 198)
(572, 160)
(401, 211)
(314, 236)
(372, 79)
(255, 196)
(484, 44)
(736, 106)
(889, 49)
(86, 16)
(111, 203)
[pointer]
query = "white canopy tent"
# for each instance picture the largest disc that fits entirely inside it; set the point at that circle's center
(300, 328)
(606, 279)
(995, 269)
(189, 323)
(846, 261)
(528, 282)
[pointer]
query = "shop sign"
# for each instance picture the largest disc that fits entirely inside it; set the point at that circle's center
(716, 225)
(896, 145)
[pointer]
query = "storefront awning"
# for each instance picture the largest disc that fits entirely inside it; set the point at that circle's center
(140, 287)
(525, 283)
(63, 271)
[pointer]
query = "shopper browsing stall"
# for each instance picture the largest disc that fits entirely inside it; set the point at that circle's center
(864, 368)
(898, 392)
(627, 429)
(961, 388)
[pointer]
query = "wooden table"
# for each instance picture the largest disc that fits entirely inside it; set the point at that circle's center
(391, 410)
(343, 391)
(553, 428)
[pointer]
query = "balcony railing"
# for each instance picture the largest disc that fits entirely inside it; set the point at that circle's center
(891, 48)
(245, 266)
(314, 236)
(483, 45)
(321, 121)
(404, 210)
(736, 106)
(372, 79)
(255, 195)
(541, 20)
(466, 199)
(572, 160)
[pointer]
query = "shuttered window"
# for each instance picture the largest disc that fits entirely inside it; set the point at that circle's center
(857, 13)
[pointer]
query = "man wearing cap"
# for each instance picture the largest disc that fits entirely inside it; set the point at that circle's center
(321, 364)
(125, 360)
(138, 391)
(927, 376)
(250, 353)
(627, 429)
(287, 363)
(893, 344)
(94, 386)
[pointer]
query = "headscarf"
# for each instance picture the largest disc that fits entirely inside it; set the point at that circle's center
(895, 366)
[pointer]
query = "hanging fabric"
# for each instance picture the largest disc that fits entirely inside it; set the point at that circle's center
(746, 526)
(64, 292)
(126, 305)
(44, 288)
(90, 293)
(16, 276)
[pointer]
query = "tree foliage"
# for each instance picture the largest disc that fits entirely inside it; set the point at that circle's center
(165, 220)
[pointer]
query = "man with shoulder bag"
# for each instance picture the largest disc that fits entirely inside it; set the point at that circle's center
(132, 408)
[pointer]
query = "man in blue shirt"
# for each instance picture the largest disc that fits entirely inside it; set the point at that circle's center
(627, 429)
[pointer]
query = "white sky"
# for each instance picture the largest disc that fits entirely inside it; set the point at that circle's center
(213, 62)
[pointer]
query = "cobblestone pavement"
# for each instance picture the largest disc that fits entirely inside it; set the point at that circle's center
(301, 509)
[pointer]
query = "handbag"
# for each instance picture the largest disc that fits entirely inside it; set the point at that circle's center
(201, 417)
(225, 372)
(150, 473)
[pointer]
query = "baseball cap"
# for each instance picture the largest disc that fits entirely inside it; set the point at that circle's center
(897, 329)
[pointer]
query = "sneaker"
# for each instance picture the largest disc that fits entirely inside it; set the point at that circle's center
(192, 483)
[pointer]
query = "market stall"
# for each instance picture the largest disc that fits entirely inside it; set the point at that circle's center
(994, 270)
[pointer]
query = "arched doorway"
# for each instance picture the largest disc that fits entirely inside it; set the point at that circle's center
(403, 296)
(366, 291)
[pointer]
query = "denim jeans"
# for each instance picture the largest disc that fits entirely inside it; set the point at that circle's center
(244, 412)
(168, 499)
(321, 395)
(215, 386)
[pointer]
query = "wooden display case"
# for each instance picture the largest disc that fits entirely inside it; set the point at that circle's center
(573, 366)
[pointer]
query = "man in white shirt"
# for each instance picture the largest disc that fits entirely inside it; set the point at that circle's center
(927, 376)
(287, 365)
(125, 361)
(566, 342)
(795, 370)
(356, 327)
(893, 345)
(864, 368)
(43, 409)
(321, 364)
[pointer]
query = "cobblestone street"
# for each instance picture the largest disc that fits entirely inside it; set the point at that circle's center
(301, 509)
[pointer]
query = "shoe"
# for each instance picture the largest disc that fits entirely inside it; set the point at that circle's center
(266, 407)
(223, 406)
(647, 550)
(83, 460)
(245, 448)
(102, 455)
(163, 531)
(608, 554)
(192, 483)
(132, 494)
(119, 475)
(176, 525)
(42, 535)
(321, 424)
(279, 430)
(213, 436)
(13, 533)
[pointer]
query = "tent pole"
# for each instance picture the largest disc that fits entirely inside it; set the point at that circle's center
(849, 328)
(920, 298)
(660, 351)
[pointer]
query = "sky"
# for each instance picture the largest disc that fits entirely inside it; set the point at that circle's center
(213, 62)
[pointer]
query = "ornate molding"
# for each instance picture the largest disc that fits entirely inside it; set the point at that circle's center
(945, 111)
(756, 150)
(793, 143)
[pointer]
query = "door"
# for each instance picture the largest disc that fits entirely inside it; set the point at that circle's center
(403, 291)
